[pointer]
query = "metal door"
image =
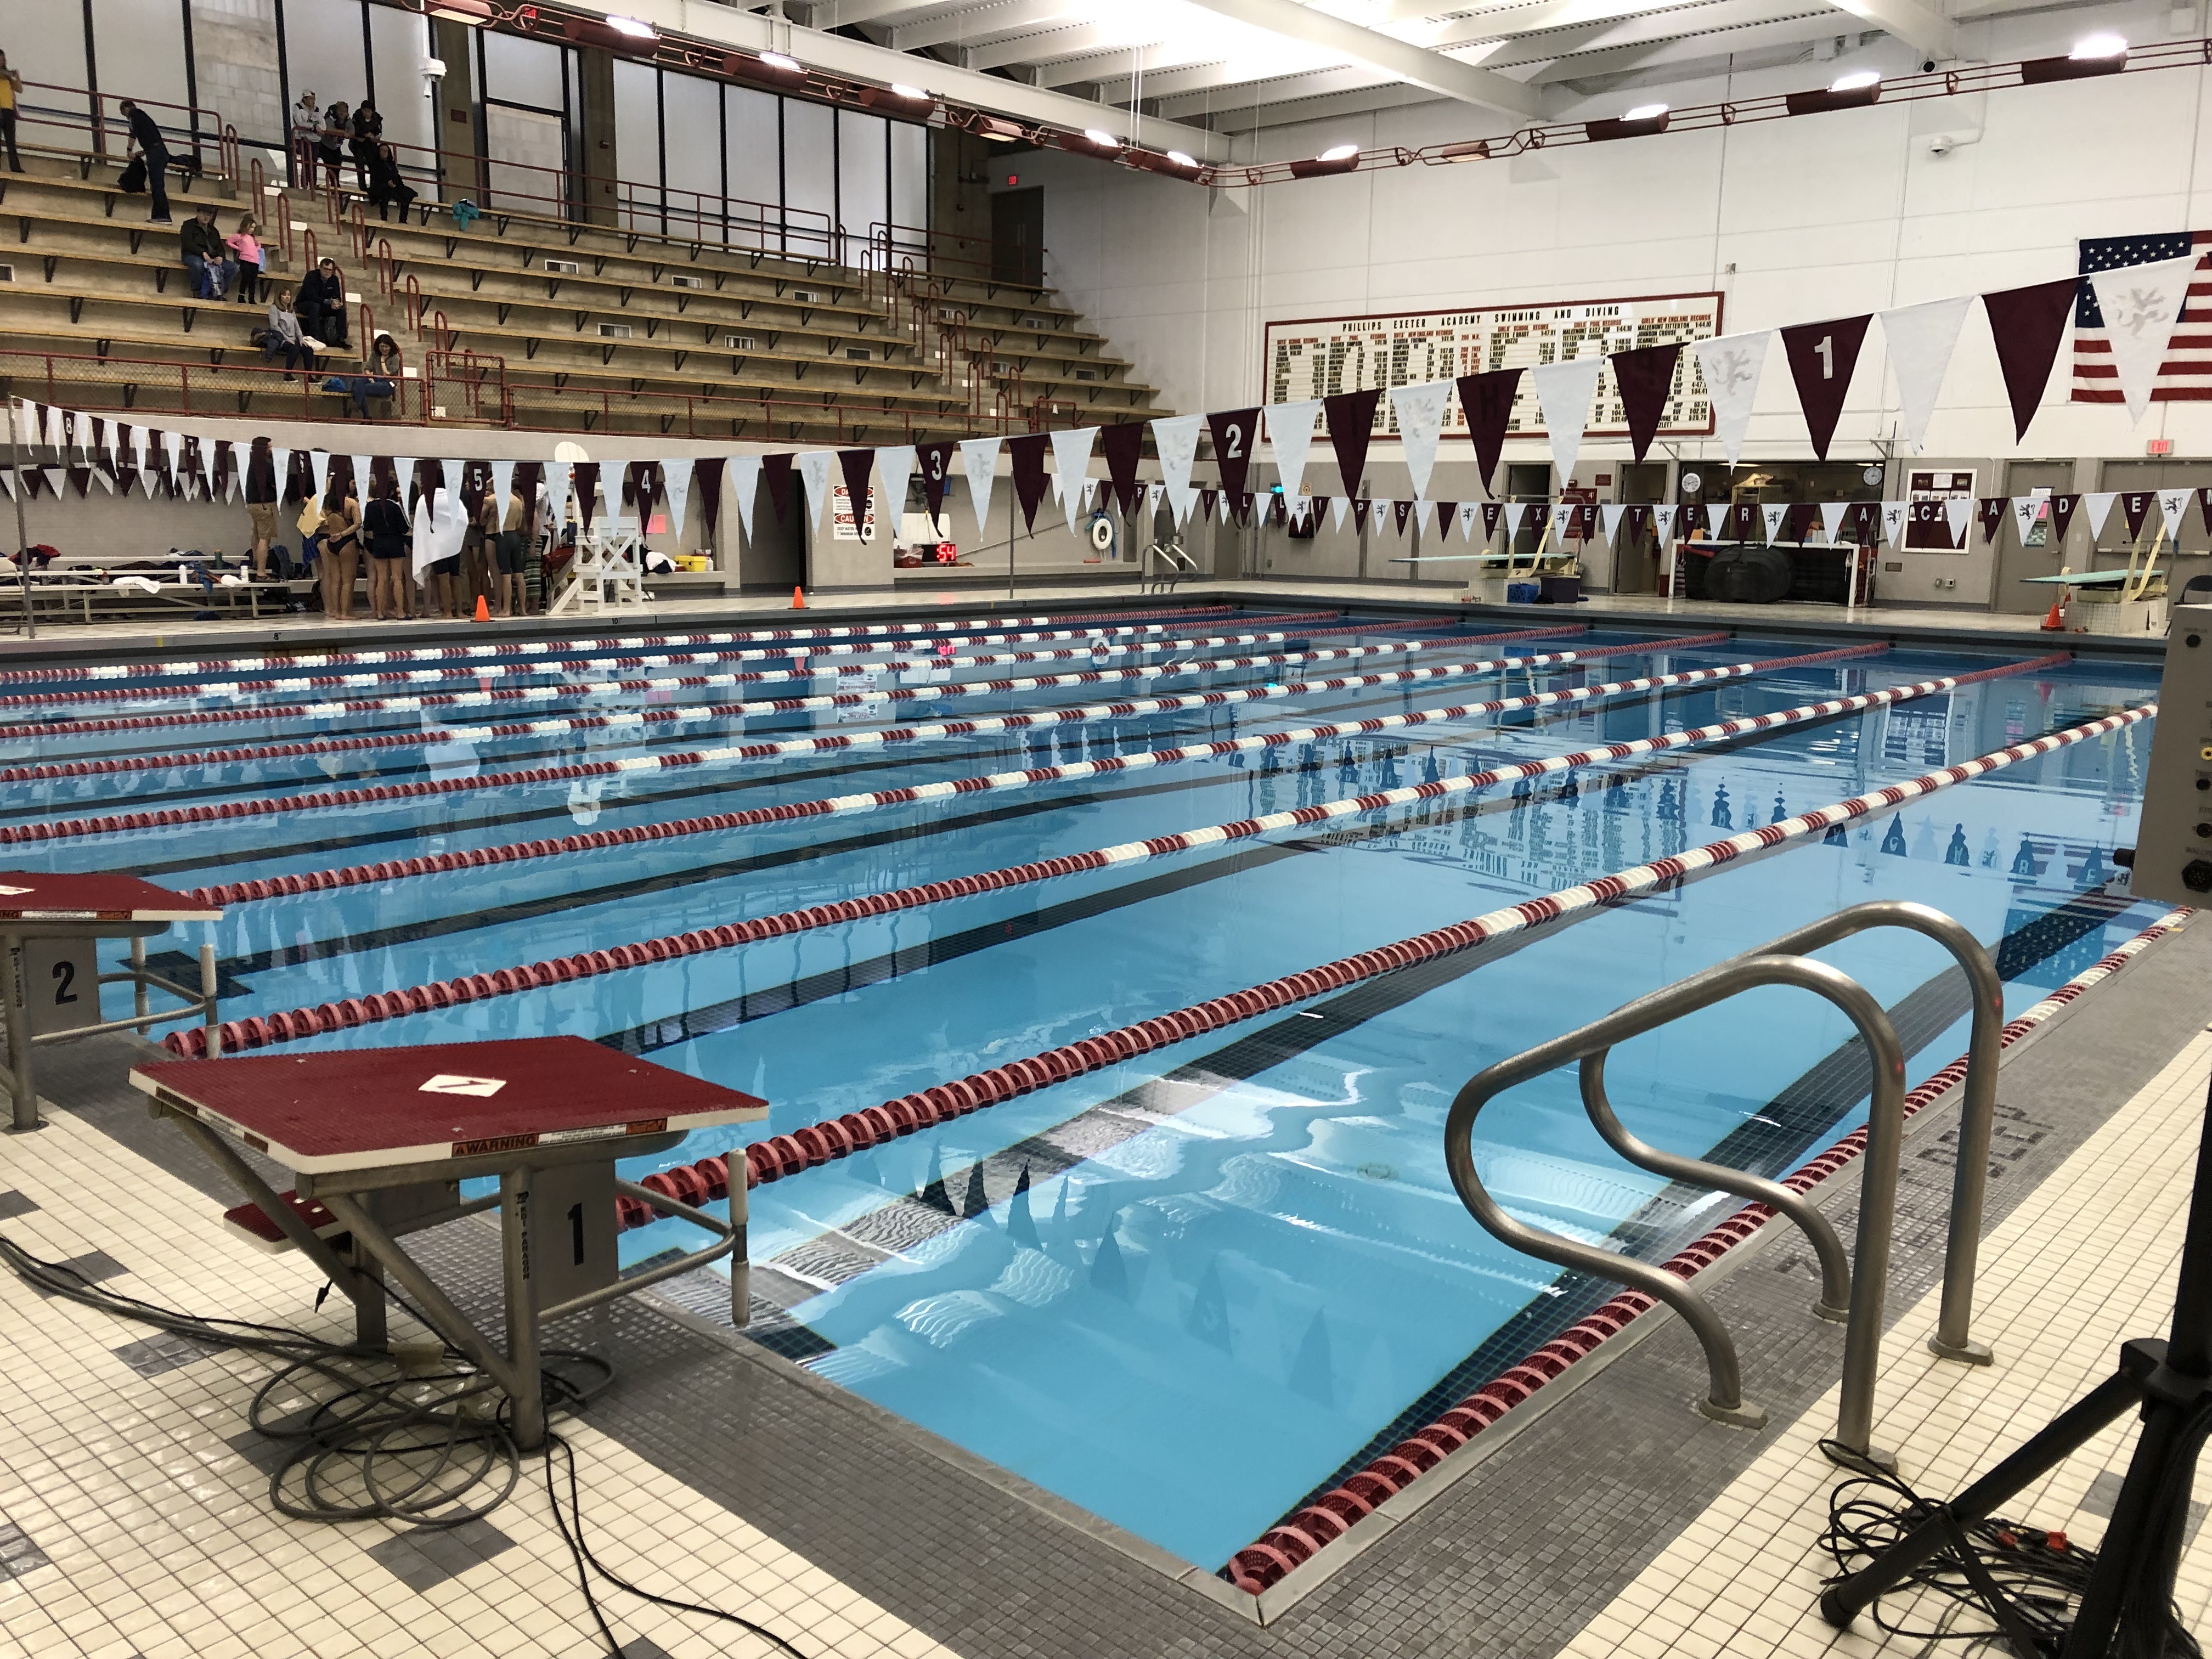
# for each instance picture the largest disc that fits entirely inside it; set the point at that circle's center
(2011, 591)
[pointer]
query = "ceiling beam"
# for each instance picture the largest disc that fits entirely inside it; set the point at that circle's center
(1285, 89)
(1716, 22)
(1076, 40)
(1689, 49)
(836, 14)
(1386, 54)
(1910, 21)
(840, 54)
(975, 23)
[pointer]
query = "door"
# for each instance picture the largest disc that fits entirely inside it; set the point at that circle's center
(2040, 554)
(527, 152)
(1018, 236)
(1636, 563)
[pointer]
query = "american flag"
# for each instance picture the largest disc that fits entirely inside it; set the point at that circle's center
(2186, 375)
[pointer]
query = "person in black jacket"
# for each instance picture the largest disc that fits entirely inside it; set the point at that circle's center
(368, 129)
(322, 304)
(384, 526)
(386, 186)
(151, 149)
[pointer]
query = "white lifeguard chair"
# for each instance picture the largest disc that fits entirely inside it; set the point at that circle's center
(608, 570)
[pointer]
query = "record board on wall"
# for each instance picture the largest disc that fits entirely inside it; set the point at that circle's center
(1317, 357)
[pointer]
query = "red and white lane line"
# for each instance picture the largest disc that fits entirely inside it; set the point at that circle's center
(785, 1155)
(539, 669)
(109, 765)
(848, 699)
(259, 1031)
(1296, 1540)
(201, 667)
(357, 875)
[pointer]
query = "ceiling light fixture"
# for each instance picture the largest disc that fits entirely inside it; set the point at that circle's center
(2098, 45)
(1643, 119)
(1856, 80)
(632, 28)
(1853, 91)
(902, 90)
(1182, 160)
(1337, 158)
(998, 132)
(776, 60)
(1645, 112)
(1340, 152)
(1103, 139)
(2094, 54)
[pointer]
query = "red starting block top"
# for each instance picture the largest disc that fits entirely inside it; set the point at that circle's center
(365, 1109)
(34, 896)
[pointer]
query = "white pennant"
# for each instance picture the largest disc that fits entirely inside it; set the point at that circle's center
(1958, 513)
(319, 459)
(2026, 510)
(1663, 521)
(556, 496)
(115, 431)
(441, 523)
(814, 467)
(1177, 440)
(1921, 339)
(1342, 507)
(1893, 515)
(1221, 508)
(174, 443)
(744, 480)
(2141, 304)
(979, 460)
(1420, 411)
(677, 477)
(361, 465)
(896, 463)
(502, 485)
(54, 477)
(1289, 438)
(238, 462)
(1154, 495)
(1832, 518)
(1613, 516)
(25, 414)
(1563, 520)
(1774, 514)
(1733, 365)
(402, 469)
(54, 437)
(1468, 512)
(2174, 507)
(2099, 507)
(1564, 392)
(1378, 509)
(1071, 467)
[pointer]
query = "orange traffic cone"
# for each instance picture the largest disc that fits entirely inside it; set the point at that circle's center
(799, 598)
(2056, 622)
(483, 611)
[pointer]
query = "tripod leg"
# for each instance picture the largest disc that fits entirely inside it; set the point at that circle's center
(2142, 1518)
(2053, 1445)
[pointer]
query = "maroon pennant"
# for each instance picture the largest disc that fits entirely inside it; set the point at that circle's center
(2063, 509)
(222, 464)
(1350, 417)
(1744, 523)
(1690, 517)
(1992, 511)
(935, 460)
(584, 478)
(2027, 324)
(776, 468)
(1123, 445)
(1821, 358)
(1492, 512)
(2136, 504)
(1803, 517)
(1233, 432)
(1240, 505)
(2204, 509)
(1209, 499)
(1446, 511)
(1401, 510)
(1487, 401)
(1030, 483)
(856, 464)
(1864, 522)
(1634, 523)
(1645, 377)
(1317, 505)
(1359, 513)
(706, 484)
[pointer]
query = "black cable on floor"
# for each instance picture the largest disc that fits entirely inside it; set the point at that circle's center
(2025, 1582)
(379, 1439)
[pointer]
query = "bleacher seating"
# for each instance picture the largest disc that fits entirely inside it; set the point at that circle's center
(655, 331)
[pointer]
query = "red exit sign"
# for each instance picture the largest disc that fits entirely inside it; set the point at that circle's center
(2159, 446)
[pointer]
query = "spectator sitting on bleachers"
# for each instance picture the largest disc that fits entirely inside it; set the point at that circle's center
(206, 255)
(283, 338)
(384, 369)
(322, 306)
(385, 187)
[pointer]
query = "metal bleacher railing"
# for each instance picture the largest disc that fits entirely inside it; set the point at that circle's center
(1852, 1292)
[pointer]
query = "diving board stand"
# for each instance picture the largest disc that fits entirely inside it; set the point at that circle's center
(51, 924)
(380, 1140)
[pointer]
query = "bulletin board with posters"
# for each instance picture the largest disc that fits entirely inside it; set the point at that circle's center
(1927, 522)
(1319, 356)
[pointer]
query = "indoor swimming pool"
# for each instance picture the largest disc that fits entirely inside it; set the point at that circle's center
(1185, 1290)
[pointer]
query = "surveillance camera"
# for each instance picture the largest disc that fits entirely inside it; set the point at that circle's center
(1927, 66)
(433, 71)
(1940, 144)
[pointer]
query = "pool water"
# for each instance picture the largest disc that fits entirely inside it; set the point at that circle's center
(1185, 1291)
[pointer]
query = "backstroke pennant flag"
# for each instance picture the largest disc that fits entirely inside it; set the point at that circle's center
(1123, 445)
(502, 484)
(935, 459)
(744, 484)
(1350, 416)
(1832, 518)
(1921, 339)
(2138, 306)
(979, 460)
(2185, 375)
(1492, 512)
(1564, 392)
(1664, 514)
(2063, 509)
(1176, 437)
(856, 464)
(1821, 358)
(1990, 513)
(319, 459)
(2100, 503)
(1291, 435)
(1645, 377)
(814, 466)
(776, 468)
(2026, 510)
(1027, 453)
(557, 489)
(2173, 509)
(1487, 401)
(1071, 466)
(1234, 432)
(1733, 365)
(896, 462)
(2026, 325)
(1420, 411)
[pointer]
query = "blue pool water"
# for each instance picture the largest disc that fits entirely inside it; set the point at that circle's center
(1185, 1292)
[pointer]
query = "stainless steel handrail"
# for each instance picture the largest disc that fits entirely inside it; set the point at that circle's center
(1978, 1105)
(1885, 1126)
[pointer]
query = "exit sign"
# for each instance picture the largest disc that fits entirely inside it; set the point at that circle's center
(2159, 446)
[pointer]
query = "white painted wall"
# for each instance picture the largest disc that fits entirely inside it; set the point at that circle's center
(1792, 220)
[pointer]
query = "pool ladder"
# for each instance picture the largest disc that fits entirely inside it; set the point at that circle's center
(1850, 1291)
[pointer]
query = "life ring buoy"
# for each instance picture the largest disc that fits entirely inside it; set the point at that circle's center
(1102, 533)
